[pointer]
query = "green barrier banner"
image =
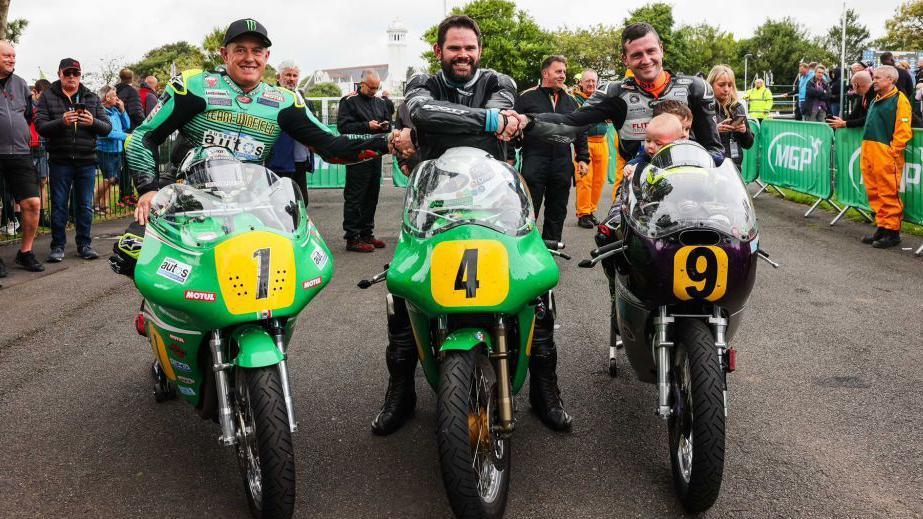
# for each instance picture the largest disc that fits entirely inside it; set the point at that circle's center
(912, 182)
(849, 187)
(750, 167)
(397, 176)
(327, 176)
(796, 155)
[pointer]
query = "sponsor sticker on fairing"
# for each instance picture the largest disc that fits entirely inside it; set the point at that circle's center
(195, 295)
(186, 380)
(181, 366)
(319, 257)
(188, 391)
(177, 339)
(174, 270)
(311, 283)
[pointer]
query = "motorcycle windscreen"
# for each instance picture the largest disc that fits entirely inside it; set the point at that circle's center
(466, 186)
(238, 197)
(683, 189)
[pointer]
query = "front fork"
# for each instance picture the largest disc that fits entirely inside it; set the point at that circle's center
(225, 416)
(278, 335)
(504, 389)
(662, 346)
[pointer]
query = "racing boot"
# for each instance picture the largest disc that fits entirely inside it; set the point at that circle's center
(544, 394)
(401, 397)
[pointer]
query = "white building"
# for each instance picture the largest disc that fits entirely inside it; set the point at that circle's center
(393, 74)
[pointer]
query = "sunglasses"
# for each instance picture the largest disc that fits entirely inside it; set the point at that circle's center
(71, 73)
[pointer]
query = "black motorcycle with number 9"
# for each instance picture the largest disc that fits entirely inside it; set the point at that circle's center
(680, 253)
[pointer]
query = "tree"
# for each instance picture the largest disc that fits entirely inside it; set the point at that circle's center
(270, 75)
(905, 30)
(211, 44)
(595, 47)
(511, 41)
(699, 47)
(10, 30)
(857, 38)
(778, 46)
(326, 89)
(158, 62)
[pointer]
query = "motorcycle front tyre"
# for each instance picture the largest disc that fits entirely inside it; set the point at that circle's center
(697, 425)
(261, 408)
(472, 494)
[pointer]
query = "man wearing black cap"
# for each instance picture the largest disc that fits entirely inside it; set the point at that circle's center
(70, 117)
(231, 106)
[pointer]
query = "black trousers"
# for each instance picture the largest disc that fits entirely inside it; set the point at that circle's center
(360, 199)
(549, 180)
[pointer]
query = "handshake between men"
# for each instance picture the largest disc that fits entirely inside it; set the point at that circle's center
(510, 125)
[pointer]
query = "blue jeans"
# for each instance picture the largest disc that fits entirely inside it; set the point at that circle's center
(62, 178)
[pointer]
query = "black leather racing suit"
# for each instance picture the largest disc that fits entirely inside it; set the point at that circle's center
(446, 115)
(630, 108)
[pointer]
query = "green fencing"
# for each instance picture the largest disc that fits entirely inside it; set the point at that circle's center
(326, 175)
(750, 168)
(850, 189)
(397, 176)
(796, 155)
(613, 154)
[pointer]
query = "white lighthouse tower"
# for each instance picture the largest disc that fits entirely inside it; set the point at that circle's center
(397, 57)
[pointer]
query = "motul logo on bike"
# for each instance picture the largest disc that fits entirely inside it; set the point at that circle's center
(311, 283)
(194, 295)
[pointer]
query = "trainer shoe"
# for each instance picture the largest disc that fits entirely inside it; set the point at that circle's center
(378, 244)
(88, 253)
(594, 219)
(888, 240)
(28, 261)
(359, 246)
(585, 222)
(870, 238)
(56, 255)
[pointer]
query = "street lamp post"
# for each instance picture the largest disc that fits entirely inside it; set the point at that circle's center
(746, 57)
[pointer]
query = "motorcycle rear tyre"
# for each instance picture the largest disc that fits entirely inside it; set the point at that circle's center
(701, 413)
(458, 373)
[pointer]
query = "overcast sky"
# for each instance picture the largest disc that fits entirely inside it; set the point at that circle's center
(339, 33)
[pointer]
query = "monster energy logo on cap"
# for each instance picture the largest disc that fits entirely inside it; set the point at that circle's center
(246, 26)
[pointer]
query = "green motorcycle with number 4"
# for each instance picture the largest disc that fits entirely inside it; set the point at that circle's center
(474, 274)
(229, 260)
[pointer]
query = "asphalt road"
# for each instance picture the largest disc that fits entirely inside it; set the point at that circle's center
(825, 408)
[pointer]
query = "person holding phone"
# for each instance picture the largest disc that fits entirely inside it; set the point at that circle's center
(361, 113)
(71, 117)
(731, 114)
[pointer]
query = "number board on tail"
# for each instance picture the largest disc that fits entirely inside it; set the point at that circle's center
(469, 273)
(256, 272)
(700, 272)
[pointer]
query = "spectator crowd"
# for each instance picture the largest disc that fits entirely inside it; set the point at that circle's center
(62, 157)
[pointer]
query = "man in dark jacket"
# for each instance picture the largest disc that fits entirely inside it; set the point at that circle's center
(129, 95)
(904, 80)
(463, 105)
(71, 117)
(16, 166)
(862, 85)
(362, 113)
(548, 167)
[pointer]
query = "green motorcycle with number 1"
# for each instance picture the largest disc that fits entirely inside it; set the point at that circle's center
(229, 260)
(474, 274)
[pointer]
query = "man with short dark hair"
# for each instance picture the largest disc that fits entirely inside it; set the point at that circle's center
(362, 113)
(548, 167)
(130, 97)
(463, 105)
(16, 165)
(71, 117)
